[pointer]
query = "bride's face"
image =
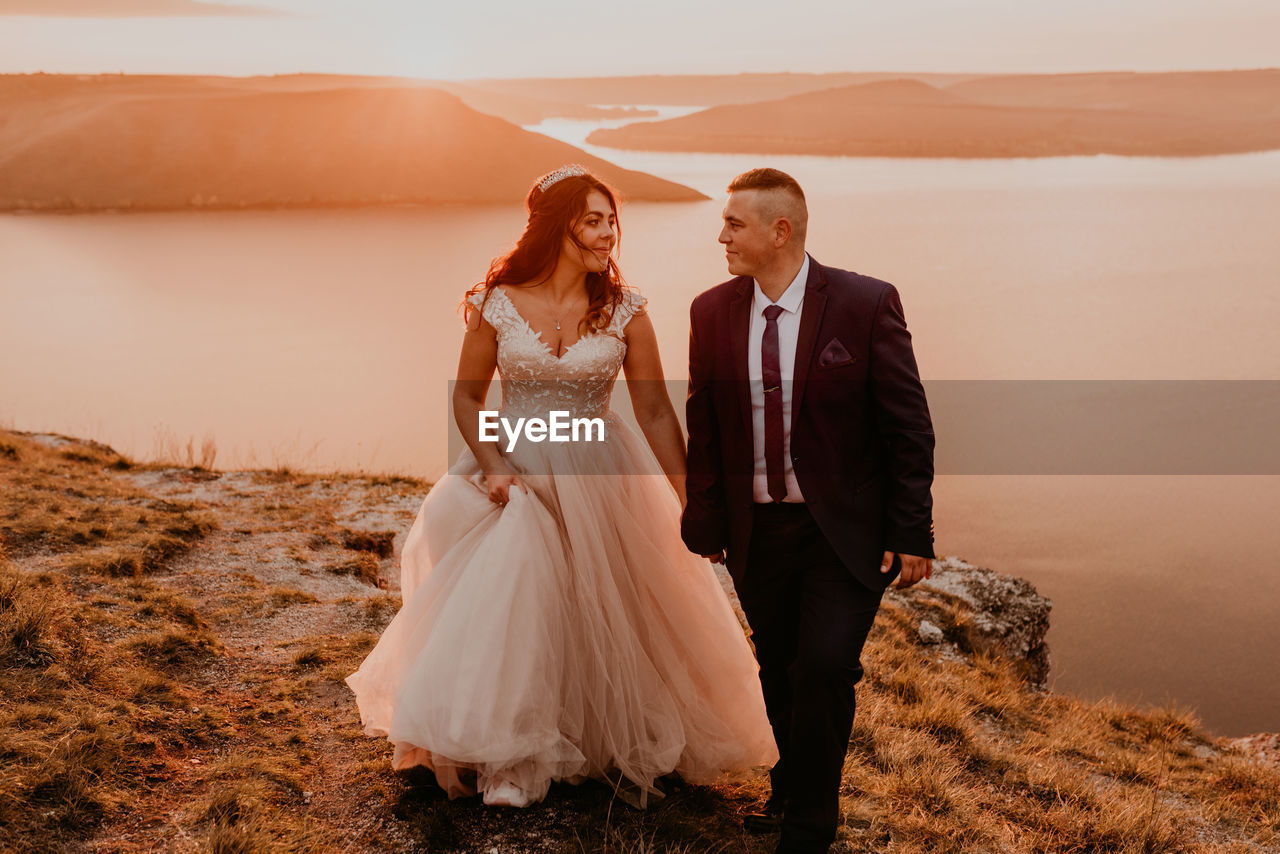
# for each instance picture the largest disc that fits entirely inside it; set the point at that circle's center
(596, 230)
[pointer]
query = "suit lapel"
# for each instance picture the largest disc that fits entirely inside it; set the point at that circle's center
(810, 319)
(739, 332)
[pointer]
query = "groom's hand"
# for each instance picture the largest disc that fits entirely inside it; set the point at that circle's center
(718, 557)
(914, 568)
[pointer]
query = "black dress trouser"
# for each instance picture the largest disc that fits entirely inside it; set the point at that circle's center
(809, 618)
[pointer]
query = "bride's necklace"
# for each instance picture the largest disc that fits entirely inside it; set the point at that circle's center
(562, 316)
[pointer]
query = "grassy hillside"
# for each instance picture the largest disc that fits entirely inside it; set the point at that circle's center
(173, 642)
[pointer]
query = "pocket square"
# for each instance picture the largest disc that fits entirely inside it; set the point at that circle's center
(833, 354)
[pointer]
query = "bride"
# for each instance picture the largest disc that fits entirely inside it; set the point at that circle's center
(552, 625)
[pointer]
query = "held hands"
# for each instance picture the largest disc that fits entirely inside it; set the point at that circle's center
(500, 484)
(914, 568)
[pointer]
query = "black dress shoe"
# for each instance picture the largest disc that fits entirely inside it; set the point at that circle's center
(769, 820)
(789, 848)
(800, 842)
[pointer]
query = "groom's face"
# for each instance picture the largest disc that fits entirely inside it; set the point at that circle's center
(747, 238)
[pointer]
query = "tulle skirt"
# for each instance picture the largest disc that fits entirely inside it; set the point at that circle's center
(564, 636)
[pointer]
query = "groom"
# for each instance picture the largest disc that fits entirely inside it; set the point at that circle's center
(810, 466)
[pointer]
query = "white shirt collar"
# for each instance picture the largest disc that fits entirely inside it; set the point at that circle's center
(791, 297)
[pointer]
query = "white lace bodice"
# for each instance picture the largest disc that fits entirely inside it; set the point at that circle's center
(536, 381)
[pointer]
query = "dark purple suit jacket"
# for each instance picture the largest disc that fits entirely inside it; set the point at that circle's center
(861, 438)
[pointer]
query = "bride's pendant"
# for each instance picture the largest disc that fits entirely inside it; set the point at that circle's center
(557, 326)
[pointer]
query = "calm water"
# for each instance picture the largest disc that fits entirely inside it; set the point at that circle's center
(327, 339)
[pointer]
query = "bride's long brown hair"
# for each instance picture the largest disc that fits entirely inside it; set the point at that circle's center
(553, 214)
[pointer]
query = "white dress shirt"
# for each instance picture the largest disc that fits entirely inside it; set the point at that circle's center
(791, 302)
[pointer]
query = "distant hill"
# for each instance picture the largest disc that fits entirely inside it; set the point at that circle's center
(1224, 94)
(1191, 113)
(70, 143)
(516, 108)
(699, 90)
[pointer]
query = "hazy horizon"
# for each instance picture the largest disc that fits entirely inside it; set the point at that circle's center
(556, 39)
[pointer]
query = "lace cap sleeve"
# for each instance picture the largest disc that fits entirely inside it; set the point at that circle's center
(476, 303)
(631, 304)
(497, 309)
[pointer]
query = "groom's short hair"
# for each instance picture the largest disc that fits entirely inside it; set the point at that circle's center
(789, 198)
(767, 179)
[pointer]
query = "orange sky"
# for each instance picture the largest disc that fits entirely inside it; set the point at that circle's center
(562, 38)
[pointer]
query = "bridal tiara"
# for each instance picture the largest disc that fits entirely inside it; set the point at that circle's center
(569, 171)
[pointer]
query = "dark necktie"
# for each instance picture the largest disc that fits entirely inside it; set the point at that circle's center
(771, 374)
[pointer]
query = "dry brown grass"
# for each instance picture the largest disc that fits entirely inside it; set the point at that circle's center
(72, 753)
(128, 722)
(79, 656)
(169, 450)
(64, 501)
(284, 597)
(957, 755)
(379, 543)
(362, 565)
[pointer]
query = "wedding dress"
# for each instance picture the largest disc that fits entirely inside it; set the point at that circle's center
(569, 634)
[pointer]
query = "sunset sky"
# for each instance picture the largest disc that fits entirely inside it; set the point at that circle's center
(427, 38)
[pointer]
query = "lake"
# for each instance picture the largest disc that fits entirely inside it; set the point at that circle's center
(327, 339)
